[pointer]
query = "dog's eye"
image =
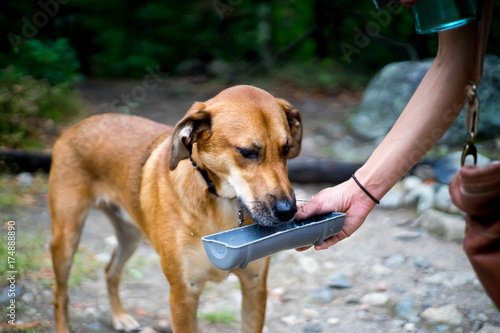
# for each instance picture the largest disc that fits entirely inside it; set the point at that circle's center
(248, 153)
(286, 150)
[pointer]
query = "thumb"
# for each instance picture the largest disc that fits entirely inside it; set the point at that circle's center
(318, 204)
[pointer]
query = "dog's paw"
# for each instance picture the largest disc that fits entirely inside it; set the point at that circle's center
(125, 322)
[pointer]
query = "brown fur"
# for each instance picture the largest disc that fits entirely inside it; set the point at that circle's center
(139, 174)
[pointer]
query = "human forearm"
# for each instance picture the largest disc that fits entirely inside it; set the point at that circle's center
(430, 112)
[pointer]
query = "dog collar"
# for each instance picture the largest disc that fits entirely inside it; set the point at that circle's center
(204, 174)
(212, 189)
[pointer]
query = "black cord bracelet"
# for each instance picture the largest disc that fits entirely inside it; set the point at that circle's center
(365, 190)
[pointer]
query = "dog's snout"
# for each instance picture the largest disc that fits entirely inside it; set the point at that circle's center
(285, 209)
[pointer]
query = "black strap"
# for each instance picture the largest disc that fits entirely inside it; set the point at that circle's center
(365, 190)
(204, 174)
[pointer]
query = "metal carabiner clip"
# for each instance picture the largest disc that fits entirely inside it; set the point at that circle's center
(469, 149)
(473, 122)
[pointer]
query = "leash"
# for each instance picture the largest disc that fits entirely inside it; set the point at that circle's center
(484, 10)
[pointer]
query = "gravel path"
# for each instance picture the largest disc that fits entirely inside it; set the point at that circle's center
(390, 276)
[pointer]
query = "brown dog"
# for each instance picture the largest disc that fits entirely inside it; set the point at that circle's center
(139, 174)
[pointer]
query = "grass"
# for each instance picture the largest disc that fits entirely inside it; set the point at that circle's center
(224, 315)
(84, 267)
(29, 255)
(14, 193)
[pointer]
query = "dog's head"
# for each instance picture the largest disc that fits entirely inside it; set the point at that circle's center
(242, 138)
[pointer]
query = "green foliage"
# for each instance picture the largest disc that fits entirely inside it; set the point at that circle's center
(123, 37)
(84, 267)
(54, 61)
(24, 99)
(29, 253)
(224, 316)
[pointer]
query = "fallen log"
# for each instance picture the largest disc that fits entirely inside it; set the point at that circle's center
(300, 170)
(320, 170)
(17, 161)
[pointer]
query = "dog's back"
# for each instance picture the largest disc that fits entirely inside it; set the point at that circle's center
(116, 145)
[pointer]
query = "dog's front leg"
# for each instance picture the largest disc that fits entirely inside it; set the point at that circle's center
(184, 300)
(253, 281)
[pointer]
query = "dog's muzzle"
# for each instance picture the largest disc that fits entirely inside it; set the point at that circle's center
(285, 210)
(271, 211)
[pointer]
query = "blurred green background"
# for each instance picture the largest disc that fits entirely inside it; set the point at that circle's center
(48, 45)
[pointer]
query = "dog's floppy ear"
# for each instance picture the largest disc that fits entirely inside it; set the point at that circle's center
(188, 131)
(295, 124)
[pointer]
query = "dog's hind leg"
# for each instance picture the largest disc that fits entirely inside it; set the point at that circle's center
(129, 237)
(68, 207)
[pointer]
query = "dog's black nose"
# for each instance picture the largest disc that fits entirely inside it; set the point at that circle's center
(285, 210)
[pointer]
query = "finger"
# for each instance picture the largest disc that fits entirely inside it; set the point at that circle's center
(307, 209)
(332, 240)
(327, 243)
(301, 249)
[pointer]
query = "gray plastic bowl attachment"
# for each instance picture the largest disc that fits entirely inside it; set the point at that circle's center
(235, 248)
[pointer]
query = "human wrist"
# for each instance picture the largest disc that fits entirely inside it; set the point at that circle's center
(360, 188)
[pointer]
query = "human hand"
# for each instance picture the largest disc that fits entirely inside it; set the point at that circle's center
(345, 198)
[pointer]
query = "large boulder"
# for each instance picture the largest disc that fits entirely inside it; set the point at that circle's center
(390, 90)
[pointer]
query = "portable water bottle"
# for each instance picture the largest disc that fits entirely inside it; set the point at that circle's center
(437, 15)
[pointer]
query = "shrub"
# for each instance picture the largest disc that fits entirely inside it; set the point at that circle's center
(24, 101)
(54, 61)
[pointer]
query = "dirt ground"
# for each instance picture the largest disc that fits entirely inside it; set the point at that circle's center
(377, 259)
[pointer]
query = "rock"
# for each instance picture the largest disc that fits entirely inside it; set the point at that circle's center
(28, 298)
(450, 279)
(375, 299)
(339, 280)
(395, 260)
(5, 296)
(163, 323)
(351, 299)
(393, 199)
(321, 295)
(386, 96)
(25, 179)
(382, 286)
(96, 326)
(104, 257)
(381, 270)
(148, 330)
(443, 201)
(487, 328)
(407, 235)
(422, 263)
(312, 328)
(410, 327)
(447, 226)
(410, 182)
(333, 321)
(310, 313)
(407, 309)
(446, 167)
(309, 264)
(289, 320)
(442, 328)
(392, 87)
(422, 195)
(447, 314)
(424, 172)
